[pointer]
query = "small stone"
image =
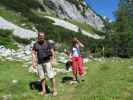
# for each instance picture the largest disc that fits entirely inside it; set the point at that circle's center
(14, 81)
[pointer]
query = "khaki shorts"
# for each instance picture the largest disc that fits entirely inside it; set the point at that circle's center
(45, 69)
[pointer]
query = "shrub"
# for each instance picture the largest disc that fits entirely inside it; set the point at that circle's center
(6, 39)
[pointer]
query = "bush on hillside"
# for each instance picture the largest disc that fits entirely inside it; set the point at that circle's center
(6, 39)
(22, 41)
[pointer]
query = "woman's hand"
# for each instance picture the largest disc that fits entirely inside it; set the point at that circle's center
(53, 61)
(34, 65)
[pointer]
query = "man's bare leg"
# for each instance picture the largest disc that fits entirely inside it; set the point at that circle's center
(43, 92)
(54, 92)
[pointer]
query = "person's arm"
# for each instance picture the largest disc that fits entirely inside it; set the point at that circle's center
(53, 57)
(34, 59)
(80, 44)
(70, 56)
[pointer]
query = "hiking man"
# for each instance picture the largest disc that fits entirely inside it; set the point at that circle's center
(43, 57)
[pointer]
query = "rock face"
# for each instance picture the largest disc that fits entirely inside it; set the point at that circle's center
(70, 26)
(28, 34)
(23, 53)
(73, 9)
(62, 9)
(17, 31)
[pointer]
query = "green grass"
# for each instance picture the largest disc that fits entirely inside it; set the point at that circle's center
(106, 80)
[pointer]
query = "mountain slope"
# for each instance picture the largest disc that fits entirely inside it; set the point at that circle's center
(66, 9)
(17, 31)
(31, 14)
(73, 9)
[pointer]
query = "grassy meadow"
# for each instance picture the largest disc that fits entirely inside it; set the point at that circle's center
(106, 79)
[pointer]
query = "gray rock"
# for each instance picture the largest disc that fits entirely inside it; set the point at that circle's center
(75, 28)
(17, 31)
(14, 81)
(7, 97)
(67, 10)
